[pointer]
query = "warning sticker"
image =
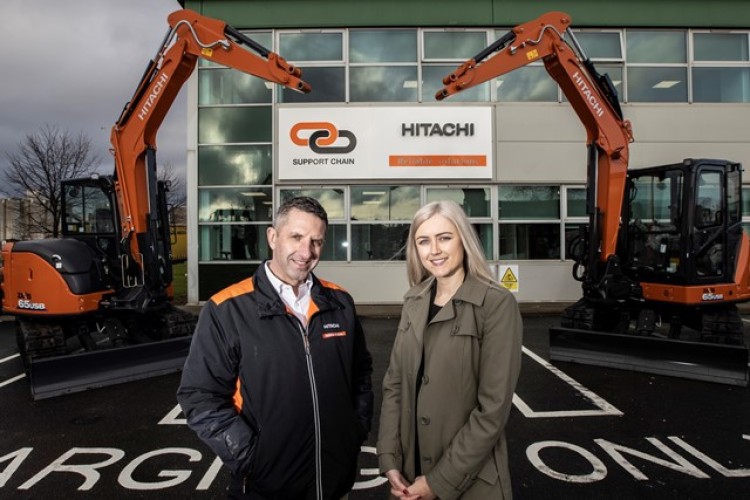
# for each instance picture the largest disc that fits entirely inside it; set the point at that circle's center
(509, 277)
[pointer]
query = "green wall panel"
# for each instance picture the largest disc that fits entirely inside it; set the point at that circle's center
(377, 13)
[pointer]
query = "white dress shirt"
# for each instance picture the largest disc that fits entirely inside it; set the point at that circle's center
(299, 303)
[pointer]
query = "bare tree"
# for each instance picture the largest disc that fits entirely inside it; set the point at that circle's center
(177, 195)
(34, 172)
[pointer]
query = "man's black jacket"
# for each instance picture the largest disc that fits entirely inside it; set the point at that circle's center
(285, 407)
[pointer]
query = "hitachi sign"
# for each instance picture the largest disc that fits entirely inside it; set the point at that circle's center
(155, 91)
(437, 129)
(588, 94)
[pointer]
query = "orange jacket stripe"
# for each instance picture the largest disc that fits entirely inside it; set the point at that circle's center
(237, 398)
(331, 285)
(244, 286)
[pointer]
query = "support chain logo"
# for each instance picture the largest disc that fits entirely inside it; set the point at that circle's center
(322, 139)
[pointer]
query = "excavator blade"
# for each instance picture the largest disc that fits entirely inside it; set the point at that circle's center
(725, 364)
(55, 376)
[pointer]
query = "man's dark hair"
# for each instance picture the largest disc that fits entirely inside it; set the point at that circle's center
(303, 204)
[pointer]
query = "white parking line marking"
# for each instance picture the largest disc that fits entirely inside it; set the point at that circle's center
(605, 408)
(11, 380)
(12, 356)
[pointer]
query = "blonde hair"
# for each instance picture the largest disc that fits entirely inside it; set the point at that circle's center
(475, 263)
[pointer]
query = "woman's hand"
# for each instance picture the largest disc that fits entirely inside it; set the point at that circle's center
(420, 489)
(399, 485)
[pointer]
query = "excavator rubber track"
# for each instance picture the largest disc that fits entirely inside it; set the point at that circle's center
(721, 363)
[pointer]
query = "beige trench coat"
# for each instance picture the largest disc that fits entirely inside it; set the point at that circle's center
(472, 357)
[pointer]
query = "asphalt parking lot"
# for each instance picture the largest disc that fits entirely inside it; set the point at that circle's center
(575, 432)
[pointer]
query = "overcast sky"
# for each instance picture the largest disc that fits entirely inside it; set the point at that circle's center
(74, 65)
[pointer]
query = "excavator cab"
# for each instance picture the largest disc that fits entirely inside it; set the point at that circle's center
(89, 215)
(683, 223)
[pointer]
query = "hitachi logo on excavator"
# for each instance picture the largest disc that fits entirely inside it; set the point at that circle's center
(589, 95)
(155, 91)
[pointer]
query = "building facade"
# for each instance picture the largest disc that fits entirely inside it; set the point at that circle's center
(515, 150)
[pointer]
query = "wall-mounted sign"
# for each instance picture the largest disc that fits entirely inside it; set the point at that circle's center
(359, 142)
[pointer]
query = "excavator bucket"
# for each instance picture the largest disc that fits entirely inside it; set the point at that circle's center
(725, 364)
(55, 376)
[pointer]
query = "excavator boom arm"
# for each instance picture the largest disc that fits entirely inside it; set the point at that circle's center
(592, 96)
(191, 36)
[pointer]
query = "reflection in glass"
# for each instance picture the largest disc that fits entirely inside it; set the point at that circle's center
(746, 201)
(311, 46)
(526, 84)
(328, 86)
(233, 242)
(529, 241)
(721, 84)
(653, 84)
(383, 84)
(656, 46)
(379, 241)
(576, 202)
(228, 86)
(474, 201)
(432, 82)
(240, 124)
(600, 45)
(374, 46)
(485, 234)
(384, 202)
(459, 45)
(229, 165)
(720, 47)
(529, 202)
(572, 233)
(336, 243)
(234, 204)
(332, 199)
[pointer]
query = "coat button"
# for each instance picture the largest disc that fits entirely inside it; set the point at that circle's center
(455, 329)
(425, 420)
(427, 460)
(425, 380)
(459, 302)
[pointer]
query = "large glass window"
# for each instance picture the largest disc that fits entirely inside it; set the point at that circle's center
(456, 45)
(383, 46)
(238, 124)
(394, 206)
(383, 84)
(384, 202)
(529, 84)
(529, 202)
(229, 86)
(233, 242)
(240, 204)
(657, 66)
(231, 165)
(319, 46)
(534, 239)
(721, 72)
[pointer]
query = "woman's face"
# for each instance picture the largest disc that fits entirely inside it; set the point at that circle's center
(439, 247)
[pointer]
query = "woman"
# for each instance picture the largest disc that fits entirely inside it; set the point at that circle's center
(453, 370)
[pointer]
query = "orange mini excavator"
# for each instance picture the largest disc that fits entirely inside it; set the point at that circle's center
(663, 261)
(94, 307)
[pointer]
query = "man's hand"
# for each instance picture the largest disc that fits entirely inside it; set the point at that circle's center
(399, 485)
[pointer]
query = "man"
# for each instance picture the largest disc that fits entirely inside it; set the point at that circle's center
(277, 381)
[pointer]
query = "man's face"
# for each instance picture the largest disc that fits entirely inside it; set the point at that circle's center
(296, 245)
